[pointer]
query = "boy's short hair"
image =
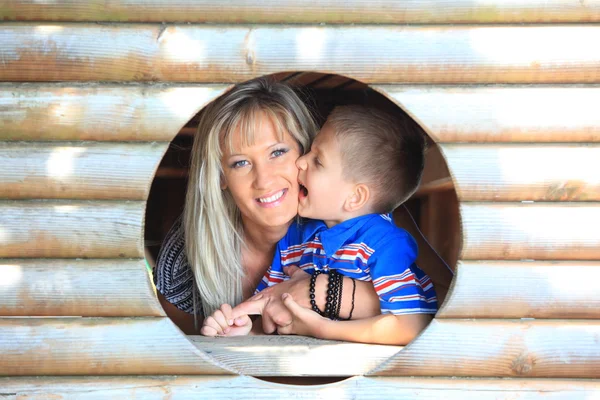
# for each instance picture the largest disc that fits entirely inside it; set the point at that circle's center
(382, 150)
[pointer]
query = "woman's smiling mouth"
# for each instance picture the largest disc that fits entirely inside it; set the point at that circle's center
(273, 200)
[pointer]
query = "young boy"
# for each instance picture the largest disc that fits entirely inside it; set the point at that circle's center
(361, 166)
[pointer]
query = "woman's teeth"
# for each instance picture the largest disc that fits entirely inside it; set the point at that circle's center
(271, 199)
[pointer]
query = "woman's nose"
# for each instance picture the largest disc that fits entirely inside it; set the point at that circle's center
(263, 175)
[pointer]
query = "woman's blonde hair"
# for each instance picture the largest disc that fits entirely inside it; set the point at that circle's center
(212, 221)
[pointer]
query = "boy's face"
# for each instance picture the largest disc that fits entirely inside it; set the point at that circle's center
(323, 189)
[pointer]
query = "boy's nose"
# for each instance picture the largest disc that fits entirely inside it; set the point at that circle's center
(301, 162)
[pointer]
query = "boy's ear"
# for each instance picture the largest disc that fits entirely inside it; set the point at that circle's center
(359, 197)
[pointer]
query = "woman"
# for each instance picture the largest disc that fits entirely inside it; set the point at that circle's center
(242, 196)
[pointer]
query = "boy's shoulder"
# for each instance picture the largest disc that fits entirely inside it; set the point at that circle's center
(303, 229)
(381, 231)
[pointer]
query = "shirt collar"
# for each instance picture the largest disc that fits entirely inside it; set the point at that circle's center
(334, 237)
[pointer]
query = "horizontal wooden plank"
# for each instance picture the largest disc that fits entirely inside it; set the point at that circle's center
(537, 231)
(245, 387)
(98, 346)
(68, 287)
(371, 54)
(270, 355)
(517, 172)
(502, 113)
(501, 348)
(71, 229)
(100, 112)
(439, 185)
(304, 11)
(515, 289)
(71, 170)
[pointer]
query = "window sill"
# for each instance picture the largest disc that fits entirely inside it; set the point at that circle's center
(272, 355)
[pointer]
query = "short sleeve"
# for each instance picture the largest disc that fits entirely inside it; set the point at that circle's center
(290, 249)
(402, 287)
(173, 276)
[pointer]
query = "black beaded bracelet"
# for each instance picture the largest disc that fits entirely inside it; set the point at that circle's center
(311, 294)
(334, 295)
(339, 299)
(353, 292)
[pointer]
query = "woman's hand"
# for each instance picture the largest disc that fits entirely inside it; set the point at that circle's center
(268, 302)
(222, 323)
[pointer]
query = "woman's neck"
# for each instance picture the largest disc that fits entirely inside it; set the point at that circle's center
(257, 253)
(260, 239)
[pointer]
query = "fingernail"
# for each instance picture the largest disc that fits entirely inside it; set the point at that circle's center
(284, 296)
(230, 322)
(226, 330)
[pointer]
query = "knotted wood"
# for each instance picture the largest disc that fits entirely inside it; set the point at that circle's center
(75, 170)
(99, 112)
(71, 229)
(371, 54)
(70, 287)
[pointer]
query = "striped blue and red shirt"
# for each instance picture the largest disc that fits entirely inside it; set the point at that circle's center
(367, 248)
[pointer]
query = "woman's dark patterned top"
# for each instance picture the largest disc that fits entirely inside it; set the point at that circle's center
(173, 276)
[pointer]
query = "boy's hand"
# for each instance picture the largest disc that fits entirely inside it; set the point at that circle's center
(304, 321)
(268, 302)
(222, 323)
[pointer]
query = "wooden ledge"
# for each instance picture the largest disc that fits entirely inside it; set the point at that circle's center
(271, 355)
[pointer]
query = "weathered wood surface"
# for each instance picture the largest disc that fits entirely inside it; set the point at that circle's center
(517, 172)
(270, 355)
(538, 231)
(68, 287)
(245, 387)
(71, 229)
(516, 289)
(99, 112)
(439, 185)
(371, 54)
(502, 113)
(303, 11)
(501, 348)
(99, 346)
(72, 170)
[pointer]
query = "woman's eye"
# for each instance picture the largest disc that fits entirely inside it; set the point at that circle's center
(278, 153)
(318, 162)
(239, 164)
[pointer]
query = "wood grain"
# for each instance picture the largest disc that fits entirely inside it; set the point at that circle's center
(302, 11)
(371, 54)
(555, 113)
(71, 170)
(99, 112)
(517, 172)
(536, 231)
(69, 287)
(98, 346)
(270, 355)
(71, 229)
(515, 289)
(501, 348)
(245, 387)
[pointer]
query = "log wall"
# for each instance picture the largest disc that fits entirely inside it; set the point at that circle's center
(507, 90)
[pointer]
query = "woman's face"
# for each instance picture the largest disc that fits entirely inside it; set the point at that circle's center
(262, 177)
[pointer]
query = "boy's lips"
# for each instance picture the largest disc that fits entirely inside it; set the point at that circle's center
(303, 191)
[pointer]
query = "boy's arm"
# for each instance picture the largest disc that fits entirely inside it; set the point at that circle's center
(381, 329)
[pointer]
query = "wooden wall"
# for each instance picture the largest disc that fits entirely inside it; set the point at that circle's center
(92, 93)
